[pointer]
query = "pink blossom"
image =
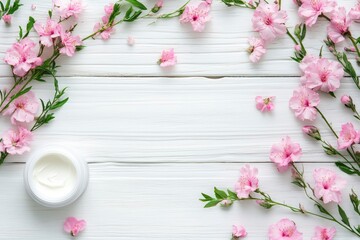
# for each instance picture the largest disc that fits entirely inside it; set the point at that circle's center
(310, 10)
(69, 43)
(284, 229)
(286, 152)
(248, 181)
(130, 40)
(108, 9)
(339, 25)
(48, 32)
(269, 21)
(265, 104)
(238, 232)
(74, 226)
(33, 6)
(312, 131)
(328, 185)
(303, 103)
(348, 136)
(23, 108)
(7, 18)
(22, 57)
(167, 58)
(160, 3)
(297, 47)
(354, 13)
(345, 99)
(105, 34)
(322, 233)
(197, 15)
(226, 203)
(323, 74)
(256, 49)
(16, 142)
(68, 8)
(308, 60)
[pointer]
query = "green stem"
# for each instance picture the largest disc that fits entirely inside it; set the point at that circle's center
(326, 121)
(291, 36)
(354, 43)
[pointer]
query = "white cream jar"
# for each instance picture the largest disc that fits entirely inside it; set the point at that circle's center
(55, 177)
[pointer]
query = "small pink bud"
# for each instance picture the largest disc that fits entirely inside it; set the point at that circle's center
(238, 232)
(7, 18)
(159, 3)
(312, 131)
(331, 49)
(226, 203)
(297, 47)
(33, 6)
(345, 99)
(130, 41)
(350, 49)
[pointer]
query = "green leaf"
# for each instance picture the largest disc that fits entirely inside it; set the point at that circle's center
(212, 203)
(332, 94)
(59, 104)
(29, 26)
(115, 13)
(133, 17)
(2, 7)
(232, 195)
(207, 197)
(20, 32)
(303, 32)
(346, 169)
(50, 13)
(137, 4)
(344, 217)
(355, 201)
(7, 5)
(22, 92)
(322, 209)
(220, 194)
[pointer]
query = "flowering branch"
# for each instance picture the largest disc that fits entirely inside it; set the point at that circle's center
(7, 9)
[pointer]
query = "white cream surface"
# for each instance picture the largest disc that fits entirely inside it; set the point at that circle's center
(54, 176)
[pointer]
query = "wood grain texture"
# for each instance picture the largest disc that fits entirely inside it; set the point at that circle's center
(157, 201)
(219, 51)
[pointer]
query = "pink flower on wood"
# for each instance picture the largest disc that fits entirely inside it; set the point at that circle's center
(69, 43)
(328, 185)
(322, 233)
(354, 13)
(7, 18)
(238, 232)
(284, 229)
(74, 226)
(286, 152)
(167, 58)
(23, 108)
(256, 49)
(348, 136)
(310, 10)
(303, 103)
(197, 15)
(269, 21)
(248, 181)
(339, 25)
(48, 31)
(68, 8)
(265, 104)
(16, 141)
(22, 57)
(321, 74)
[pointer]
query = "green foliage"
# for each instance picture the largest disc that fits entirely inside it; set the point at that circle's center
(9, 8)
(355, 201)
(29, 26)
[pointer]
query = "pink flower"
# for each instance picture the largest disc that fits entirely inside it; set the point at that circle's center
(167, 58)
(197, 15)
(348, 136)
(69, 43)
(269, 21)
(7, 18)
(265, 104)
(238, 232)
(108, 9)
(339, 25)
(74, 226)
(322, 233)
(248, 181)
(23, 108)
(285, 153)
(284, 229)
(328, 185)
(48, 32)
(354, 13)
(307, 61)
(297, 47)
(159, 3)
(105, 34)
(130, 40)
(323, 74)
(68, 8)
(303, 103)
(22, 57)
(310, 10)
(256, 49)
(16, 142)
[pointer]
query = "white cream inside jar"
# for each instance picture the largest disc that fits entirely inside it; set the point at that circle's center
(54, 176)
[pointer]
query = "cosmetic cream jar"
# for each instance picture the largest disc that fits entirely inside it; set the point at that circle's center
(54, 177)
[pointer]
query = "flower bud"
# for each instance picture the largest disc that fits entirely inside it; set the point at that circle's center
(7, 18)
(158, 6)
(346, 100)
(265, 204)
(226, 203)
(297, 30)
(297, 47)
(312, 131)
(349, 49)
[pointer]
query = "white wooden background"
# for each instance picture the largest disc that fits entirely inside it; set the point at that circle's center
(155, 138)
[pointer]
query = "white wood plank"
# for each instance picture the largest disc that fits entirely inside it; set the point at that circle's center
(182, 119)
(159, 201)
(219, 51)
